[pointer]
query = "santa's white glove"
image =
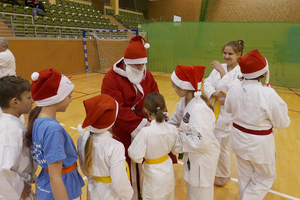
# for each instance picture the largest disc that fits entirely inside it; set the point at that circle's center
(80, 129)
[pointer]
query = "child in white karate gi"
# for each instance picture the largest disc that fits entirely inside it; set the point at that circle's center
(255, 109)
(16, 168)
(102, 158)
(195, 117)
(216, 85)
(154, 143)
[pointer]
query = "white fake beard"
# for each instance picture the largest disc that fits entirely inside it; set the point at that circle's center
(135, 76)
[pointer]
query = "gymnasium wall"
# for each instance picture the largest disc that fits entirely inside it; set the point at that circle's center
(254, 10)
(189, 10)
(67, 56)
(227, 10)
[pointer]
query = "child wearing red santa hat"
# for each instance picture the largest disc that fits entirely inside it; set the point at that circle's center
(50, 145)
(129, 82)
(195, 117)
(255, 109)
(102, 158)
(153, 143)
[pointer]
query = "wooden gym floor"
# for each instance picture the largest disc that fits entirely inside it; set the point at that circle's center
(287, 184)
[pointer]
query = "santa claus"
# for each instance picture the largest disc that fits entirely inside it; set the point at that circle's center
(129, 82)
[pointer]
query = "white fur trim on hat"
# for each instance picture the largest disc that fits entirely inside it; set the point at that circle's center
(185, 85)
(257, 73)
(64, 89)
(197, 94)
(96, 130)
(147, 45)
(136, 61)
(35, 76)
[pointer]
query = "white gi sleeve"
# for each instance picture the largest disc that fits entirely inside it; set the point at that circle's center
(120, 183)
(11, 183)
(178, 114)
(228, 80)
(137, 149)
(177, 148)
(208, 83)
(202, 125)
(278, 111)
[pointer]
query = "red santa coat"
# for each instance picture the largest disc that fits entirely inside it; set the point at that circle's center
(131, 99)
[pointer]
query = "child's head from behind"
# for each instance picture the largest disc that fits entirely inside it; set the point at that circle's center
(155, 105)
(101, 112)
(187, 77)
(253, 65)
(50, 87)
(187, 82)
(15, 94)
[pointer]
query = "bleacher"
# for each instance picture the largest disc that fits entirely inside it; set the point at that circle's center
(128, 19)
(65, 19)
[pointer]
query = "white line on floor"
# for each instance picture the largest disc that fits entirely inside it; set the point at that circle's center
(271, 191)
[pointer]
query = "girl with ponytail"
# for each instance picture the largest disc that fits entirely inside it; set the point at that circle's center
(153, 144)
(216, 85)
(102, 158)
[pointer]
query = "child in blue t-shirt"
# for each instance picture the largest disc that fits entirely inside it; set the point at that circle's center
(51, 146)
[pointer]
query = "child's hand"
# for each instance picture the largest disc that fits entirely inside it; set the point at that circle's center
(26, 191)
(217, 65)
(221, 98)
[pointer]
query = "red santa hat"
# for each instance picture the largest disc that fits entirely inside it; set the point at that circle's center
(101, 112)
(188, 77)
(136, 52)
(49, 87)
(253, 64)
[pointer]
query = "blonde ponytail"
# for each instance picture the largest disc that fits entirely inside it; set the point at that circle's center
(88, 151)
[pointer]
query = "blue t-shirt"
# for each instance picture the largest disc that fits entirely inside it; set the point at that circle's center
(52, 143)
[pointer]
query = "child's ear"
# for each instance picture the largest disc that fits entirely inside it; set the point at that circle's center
(14, 102)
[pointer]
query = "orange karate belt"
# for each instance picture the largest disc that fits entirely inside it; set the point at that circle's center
(253, 132)
(217, 104)
(66, 169)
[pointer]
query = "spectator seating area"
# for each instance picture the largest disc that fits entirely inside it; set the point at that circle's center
(64, 19)
(128, 19)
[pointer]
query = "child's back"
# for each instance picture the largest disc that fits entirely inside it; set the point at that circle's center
(102, 158)
(154, 143)
(107, 158)
(255, 109)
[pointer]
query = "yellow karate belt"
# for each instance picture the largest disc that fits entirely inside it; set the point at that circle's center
(102, 179)
(107, 179)
(127, 170)
(216, 102)
(157, 160)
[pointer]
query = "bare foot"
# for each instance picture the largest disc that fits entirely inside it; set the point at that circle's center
(220, 182)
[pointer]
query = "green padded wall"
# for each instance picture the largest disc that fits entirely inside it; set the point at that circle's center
(199, 43)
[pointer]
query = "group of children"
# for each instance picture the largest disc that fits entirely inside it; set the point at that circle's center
(241, 112)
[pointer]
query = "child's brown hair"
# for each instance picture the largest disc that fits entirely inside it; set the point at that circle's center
(155, 104)
(12, 87)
